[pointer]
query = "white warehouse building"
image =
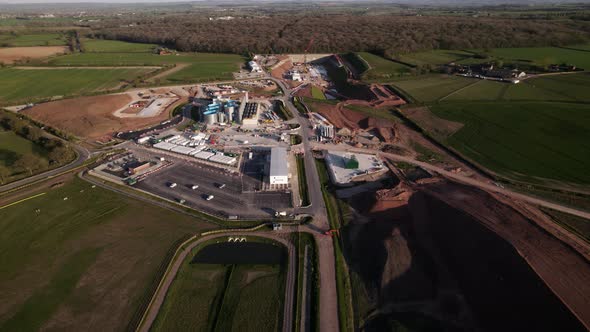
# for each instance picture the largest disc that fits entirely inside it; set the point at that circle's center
(279, 169)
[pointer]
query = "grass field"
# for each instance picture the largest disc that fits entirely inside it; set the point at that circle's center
(85, 263)
(382, 113)
(317, 93)
(541, 56)
(524, 139)
(218, 297)
(13, 146)
(381, 68)
(434, 57)
(432, 87)
(202, 66)
(45, 39)
(19, 86)
(115, 46)
(479, 90)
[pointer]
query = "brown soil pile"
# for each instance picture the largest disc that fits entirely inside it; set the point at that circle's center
(91, 117)
(454, 258)
(10, 54)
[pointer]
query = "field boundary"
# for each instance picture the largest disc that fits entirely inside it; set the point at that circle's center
(184, 249)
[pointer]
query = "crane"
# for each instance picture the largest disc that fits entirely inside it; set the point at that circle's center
(307, 50)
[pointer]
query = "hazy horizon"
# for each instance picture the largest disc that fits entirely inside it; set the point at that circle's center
(482, 2)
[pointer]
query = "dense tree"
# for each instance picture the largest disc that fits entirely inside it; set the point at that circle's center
(385, 34)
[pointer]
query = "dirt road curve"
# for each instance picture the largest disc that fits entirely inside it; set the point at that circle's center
(160, 295)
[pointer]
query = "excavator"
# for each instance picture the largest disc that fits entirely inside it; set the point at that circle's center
(332, 232)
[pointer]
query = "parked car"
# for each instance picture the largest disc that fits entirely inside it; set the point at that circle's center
(195, 186)
(210, 197)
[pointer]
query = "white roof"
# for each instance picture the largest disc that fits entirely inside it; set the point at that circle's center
(222, 159)
(278, 162)
(164, 146)
(196, 150)
(204, 155)
(182, 149)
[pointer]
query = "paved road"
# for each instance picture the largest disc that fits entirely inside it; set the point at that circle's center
(82, 156)
(160, 295)
(326, 265)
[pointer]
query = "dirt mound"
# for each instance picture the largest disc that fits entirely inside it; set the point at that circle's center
(9, 55)
(90, 117)
(459, 259)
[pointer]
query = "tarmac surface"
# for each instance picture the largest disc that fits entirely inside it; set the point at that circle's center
(227, 201)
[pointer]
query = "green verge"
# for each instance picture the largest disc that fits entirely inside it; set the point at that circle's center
(301, 240)
(335, 209)
(575, 224)
(302, 179)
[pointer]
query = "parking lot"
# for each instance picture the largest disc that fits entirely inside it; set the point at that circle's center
(227, 201)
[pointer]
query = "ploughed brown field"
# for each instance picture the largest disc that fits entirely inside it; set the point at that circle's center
(10, 54)
(91, 117)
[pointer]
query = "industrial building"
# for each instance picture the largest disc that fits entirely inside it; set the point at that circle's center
(220, 111)
(347, 168)
(254, 67)
(279, 168)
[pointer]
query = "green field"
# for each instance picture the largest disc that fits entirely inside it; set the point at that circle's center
(432, 87)
(541, 56)
(317, 93)
(434, 57)
(45, 39)
(201, 66)
(547, 140)
(115, 46)
(94, 257)
(19, 86)
(13, 146)
(381, 68)
(479, 90)
(219, 297)
(380, 113)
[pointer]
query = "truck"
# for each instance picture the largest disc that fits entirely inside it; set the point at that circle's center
(280, 213)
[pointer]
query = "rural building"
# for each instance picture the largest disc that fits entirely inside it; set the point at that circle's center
(279, 169)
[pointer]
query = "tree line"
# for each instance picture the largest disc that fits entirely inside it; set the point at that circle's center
(382, 34)
(57, 151)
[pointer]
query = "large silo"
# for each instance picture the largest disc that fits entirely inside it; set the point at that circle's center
(229, 113)
(210, 118)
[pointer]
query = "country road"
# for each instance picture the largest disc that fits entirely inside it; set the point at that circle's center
(160, 295)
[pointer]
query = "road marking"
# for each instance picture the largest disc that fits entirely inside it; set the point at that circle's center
(22, 200)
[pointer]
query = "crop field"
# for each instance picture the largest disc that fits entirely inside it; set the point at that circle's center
(479, 90)
(203, 66)
(19, 86)
(223, 297)
(433, 87)
(546, 140)
(542, 56)
(45, 39)
(114, 46)
(13, 146)
(435, 57)
(80, 256)
(381, 68)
